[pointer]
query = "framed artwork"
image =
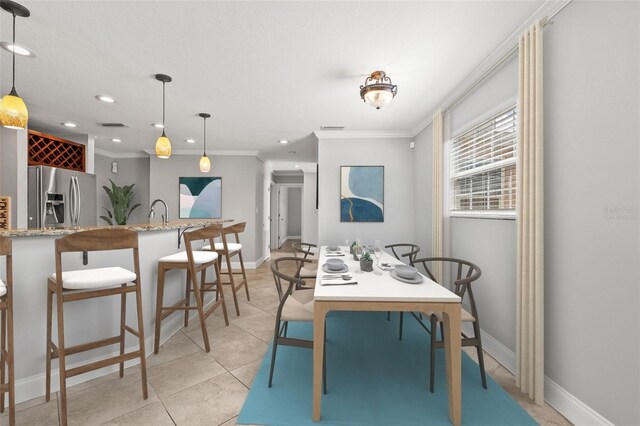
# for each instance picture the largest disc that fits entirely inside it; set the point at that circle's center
(200, 197)
(362, 194)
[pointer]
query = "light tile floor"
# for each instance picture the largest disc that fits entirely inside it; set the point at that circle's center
(190, 387)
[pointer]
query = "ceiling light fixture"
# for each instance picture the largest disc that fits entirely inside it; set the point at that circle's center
(292, 152)
(190, 140)
(13, 111)
(283, 142)
(69, 124)
(205, 164)
(17, 49)
(158, 125)
(163, 144)
(116, 140)
(378, 90)
(105, 98)
(296, 166)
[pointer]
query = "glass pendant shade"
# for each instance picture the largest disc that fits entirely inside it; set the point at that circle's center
(205, 164)
(163, 147)
(378, 98)
(13, 111)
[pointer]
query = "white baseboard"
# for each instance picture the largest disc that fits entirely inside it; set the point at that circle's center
(576, 411)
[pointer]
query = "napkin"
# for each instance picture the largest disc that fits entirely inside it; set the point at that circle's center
(339, 281)
(334, 254)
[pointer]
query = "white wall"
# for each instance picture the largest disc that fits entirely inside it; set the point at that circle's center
(309, 212)
(423, 192)
(592, 163)
(130, 170)
(13, 173)
(397, 159)
(239, 193)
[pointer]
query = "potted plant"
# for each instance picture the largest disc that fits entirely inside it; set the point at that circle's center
(366, 262)
(121, 198)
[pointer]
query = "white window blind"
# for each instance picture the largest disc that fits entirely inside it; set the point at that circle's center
(482, 167)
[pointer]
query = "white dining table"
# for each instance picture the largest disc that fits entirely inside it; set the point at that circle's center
(384, 293)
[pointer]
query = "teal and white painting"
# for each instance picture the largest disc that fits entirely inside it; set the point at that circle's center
(362, 194)
(200, 197)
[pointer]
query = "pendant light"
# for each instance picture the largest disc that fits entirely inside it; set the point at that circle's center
(163, 144)
(13, 111)
(205, 164)
(378, 90)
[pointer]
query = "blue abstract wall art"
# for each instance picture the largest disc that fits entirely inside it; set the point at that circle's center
(200, 197)
(362, 194)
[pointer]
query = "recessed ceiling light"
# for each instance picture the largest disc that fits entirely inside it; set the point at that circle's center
(105, 98)
(283, 142)
(69, 124)
(116, 140)
(158, 125)
(296, 166)
(19, 50)
(190, 140)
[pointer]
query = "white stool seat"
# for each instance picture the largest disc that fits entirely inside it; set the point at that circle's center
(230, 246)
(199, 257)
(96, 278)
(3, 288)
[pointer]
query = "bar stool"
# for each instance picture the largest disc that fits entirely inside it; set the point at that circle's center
(193, 261)
(228, 250)
(6, 333)
(71, 286)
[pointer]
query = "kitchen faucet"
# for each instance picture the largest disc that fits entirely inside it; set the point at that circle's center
(165, 216)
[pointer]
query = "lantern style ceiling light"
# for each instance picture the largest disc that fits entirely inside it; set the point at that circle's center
(378, 90)
(13, 111)
(163, 144)
(205, 164)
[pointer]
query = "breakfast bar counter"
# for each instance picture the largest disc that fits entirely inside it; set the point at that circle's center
(34, 262)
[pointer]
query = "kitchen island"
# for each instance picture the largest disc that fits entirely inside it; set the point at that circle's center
(34, 262)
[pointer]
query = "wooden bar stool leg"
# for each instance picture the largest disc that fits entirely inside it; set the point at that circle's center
(12, 379)
(203, 326)
(219, 291)
(123, 320)
(3, 360)
(159, 299)
(244, 276)
(49, 325)
(188, 297)
(143, 360)
(61, 360)
(203, 276)
(233, 285)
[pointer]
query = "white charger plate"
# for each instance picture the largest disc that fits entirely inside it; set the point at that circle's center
(417, 280)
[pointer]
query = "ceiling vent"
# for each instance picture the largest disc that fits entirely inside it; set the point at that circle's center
(114, 125)
(331, 127)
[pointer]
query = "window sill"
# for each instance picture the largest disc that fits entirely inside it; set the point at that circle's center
(484, 215)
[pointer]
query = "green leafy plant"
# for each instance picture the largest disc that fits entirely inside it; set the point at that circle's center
(366, 257)
(121, 198)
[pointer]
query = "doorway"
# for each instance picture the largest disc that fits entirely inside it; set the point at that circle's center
(286, 203)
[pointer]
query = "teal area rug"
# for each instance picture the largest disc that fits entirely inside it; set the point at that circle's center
(372, 379)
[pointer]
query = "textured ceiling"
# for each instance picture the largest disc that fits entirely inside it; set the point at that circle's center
(264, 70)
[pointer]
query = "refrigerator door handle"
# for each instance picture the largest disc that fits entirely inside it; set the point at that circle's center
(71, 201)
(78, 200)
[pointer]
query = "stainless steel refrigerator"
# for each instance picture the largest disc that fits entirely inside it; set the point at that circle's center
(59, 197)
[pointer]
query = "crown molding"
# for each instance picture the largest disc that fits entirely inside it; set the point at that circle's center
(494, 60)
(214, 152)
(109, 154)
(357, 134)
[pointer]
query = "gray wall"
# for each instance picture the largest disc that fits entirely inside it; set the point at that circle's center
(309, 212)
(397, 159)
(288, 178)
(239, 194)
(294, 212)
(13, 173)
(592, 163)
(130, 170)
(423, 158)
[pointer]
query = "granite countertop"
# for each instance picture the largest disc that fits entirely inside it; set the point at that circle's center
(143, 227)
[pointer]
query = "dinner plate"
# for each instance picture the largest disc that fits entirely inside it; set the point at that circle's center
(417, 280)
(342, 270)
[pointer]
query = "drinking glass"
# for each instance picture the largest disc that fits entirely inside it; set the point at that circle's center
(377, 252)
(359, 253)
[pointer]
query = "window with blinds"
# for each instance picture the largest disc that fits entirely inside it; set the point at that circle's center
(482, 168)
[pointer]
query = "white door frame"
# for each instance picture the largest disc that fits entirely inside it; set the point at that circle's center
(276, 216)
